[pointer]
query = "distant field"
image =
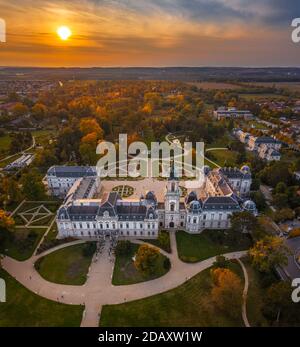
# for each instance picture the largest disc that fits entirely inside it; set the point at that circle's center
(294, 86)
(259, 96)
(214, 85)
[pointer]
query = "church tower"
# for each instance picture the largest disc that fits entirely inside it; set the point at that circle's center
(172, 200)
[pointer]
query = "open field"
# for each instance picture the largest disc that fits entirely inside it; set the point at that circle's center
(215, 85)
(262, 96)
(26, 309)
(185, 306)
(292, 86)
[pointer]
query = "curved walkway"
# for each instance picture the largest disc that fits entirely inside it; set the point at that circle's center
(98, 290)
(245, 293)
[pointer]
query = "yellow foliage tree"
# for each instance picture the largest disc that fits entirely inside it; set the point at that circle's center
(146, 259)
(227, 291)
(90, 125)
(269, 252)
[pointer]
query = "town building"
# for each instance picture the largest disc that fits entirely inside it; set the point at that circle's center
(20, 163)
(232, 112)
(60, 179)
(267, 153)
(254, 142)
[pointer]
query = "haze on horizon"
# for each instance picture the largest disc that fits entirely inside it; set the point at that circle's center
(136, 33)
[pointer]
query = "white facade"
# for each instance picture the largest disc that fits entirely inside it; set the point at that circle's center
(82, 216)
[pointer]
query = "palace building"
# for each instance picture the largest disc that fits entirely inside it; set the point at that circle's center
(82, 215)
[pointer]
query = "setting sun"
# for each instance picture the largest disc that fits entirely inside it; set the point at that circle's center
(64, 32)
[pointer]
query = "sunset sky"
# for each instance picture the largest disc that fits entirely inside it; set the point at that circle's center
(150, 33)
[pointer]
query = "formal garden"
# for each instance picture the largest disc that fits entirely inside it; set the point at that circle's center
(124, 191)
(69, 265)
(130, 269)
(23, 308)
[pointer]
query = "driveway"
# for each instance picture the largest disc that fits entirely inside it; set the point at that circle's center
(98, 289)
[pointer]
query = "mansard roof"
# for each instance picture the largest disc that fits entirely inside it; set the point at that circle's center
(81, 213)
(72, 171)
(234, 173)
(220, 203)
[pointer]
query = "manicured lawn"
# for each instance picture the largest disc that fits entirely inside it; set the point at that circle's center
(66, 266)
(185, 306)
(255, 297)
(22, 243)
(4, 145)
(223, 157)
(26, 309)
(126, 273)
(193, 248)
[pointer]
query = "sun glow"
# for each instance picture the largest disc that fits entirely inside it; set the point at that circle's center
(64, 33)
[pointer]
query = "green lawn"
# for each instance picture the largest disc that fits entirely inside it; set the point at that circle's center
(185, 306)
(66, 266)
(156, 242)
(26, 309)
(22, 243)
(126, 273)
(4, 145)
(223, 157)
(193, 248)
(255, 297)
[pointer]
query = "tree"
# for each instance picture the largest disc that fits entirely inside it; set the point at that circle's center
(6, 226)
(259, 200)
(221, 262)
(9, 190)
(276, 172)
(268, 253)
(278, 304)
(227, 291)
(280, 188)
(6, 222)
(280, 200)
(283, 215)
(19, 110)
(39, 111)
(146, 259)
(90, 125)
(32, 186)
(243, 222)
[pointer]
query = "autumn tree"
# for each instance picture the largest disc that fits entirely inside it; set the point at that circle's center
(19, 109)
(227, 291)
(90, 125)
(9, 191)
(146, 259)
(269, 252)
(32, 186)
(39, 111)
(6, 226)
(277, 304)
(241, 223)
